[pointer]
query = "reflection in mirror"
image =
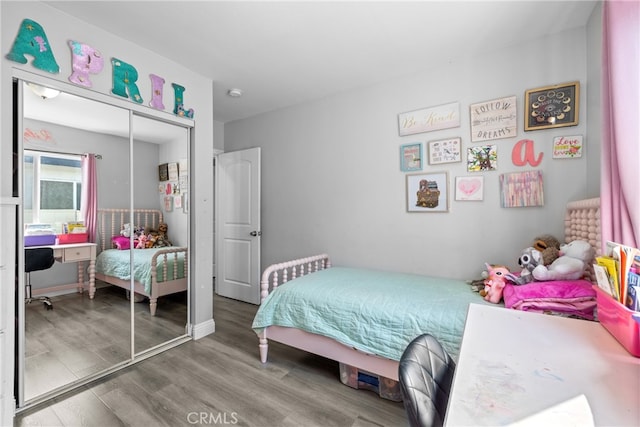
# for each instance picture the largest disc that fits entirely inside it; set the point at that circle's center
(92, 169)
(80, 336)
(161, 313)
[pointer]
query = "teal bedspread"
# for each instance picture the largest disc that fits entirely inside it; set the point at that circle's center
(115, 262)
(373, 311)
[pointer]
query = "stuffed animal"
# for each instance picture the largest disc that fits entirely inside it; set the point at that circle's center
(142, 241)
(494, 285)
(126, 230)
(549, 248)
(529, 259)
(570, 265)
(161, 238)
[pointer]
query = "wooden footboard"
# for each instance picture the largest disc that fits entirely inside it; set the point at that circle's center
(165, 284)
(280, 273)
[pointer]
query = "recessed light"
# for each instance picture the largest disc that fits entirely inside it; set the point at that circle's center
(234, 93)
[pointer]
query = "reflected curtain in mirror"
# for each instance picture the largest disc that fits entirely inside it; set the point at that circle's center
(89, 203)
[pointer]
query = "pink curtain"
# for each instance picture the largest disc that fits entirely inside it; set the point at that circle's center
(620, 162)
(89, 201)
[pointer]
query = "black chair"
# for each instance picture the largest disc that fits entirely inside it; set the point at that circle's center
(37, 259)
(425, 375)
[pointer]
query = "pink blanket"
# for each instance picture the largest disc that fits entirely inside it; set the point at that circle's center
(569, 297)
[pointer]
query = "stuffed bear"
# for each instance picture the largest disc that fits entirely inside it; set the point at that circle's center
(548, 246)
(529, 260)
(570, 265)
(161, 238)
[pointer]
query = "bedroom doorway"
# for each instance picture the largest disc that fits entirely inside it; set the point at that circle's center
(237, 194)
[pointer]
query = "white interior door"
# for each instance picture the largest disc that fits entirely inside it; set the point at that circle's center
(237, 193)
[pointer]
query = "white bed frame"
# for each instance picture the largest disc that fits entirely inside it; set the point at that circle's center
(111, 222)
(582, 222)
(278, 274)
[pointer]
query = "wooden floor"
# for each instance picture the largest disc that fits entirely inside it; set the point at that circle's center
(219, 380)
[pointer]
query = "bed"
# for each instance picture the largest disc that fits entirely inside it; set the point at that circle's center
(157, 271)
(360, 333)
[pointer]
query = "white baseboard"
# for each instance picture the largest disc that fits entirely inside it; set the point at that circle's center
(203, 329)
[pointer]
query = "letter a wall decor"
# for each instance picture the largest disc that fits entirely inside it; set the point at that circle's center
(32, 40)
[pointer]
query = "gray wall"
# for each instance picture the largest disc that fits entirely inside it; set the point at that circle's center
(331, 179)
(60, 28)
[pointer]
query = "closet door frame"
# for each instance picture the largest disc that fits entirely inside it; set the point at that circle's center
(21, 76)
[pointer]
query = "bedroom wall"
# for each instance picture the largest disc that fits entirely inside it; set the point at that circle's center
(331, 180)
(60, 28)
(594, 96)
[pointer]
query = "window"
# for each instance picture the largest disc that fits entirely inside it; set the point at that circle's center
(52, 188)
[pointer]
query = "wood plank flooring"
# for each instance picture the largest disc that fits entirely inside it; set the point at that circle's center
(219, 380)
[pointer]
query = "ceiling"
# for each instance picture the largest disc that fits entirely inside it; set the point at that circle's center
(287, 53)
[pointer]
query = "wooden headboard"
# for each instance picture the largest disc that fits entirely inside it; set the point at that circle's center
(582, 222)
(111, 222)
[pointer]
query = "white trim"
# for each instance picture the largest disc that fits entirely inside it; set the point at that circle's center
(203, 329)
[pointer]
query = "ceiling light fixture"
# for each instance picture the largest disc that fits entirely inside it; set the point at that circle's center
(42, 91)
(234, 93)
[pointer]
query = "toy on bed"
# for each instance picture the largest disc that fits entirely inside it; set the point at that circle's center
(558, 288)
(549, 248)
(495, 283)
(543, 251)
(570, 265)
(529, 259)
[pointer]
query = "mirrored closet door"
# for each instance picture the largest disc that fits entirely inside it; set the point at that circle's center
(90, 167)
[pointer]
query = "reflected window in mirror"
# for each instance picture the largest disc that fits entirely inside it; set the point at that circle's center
(52, 188)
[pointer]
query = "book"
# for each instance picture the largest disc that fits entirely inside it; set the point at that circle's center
(611, 265)
(625, 257)
(604, 281)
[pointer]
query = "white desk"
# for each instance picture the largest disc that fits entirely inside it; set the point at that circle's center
(514, 365)
(78, 253)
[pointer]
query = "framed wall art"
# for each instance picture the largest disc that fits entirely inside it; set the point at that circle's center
(552, 106)
(522, 189)
(163, 172)
(428, 192)
(495, 119)
(567, 147)
(429, 119)
(411, 157)
(445, 151)
(469, 188)
(482, 158)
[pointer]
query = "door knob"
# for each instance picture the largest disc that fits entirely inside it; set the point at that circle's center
(256, 233)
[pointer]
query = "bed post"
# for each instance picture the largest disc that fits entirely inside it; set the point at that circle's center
(314, 263)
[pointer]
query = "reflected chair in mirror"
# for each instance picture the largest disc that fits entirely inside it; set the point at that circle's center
(36, 259)
(425, 374)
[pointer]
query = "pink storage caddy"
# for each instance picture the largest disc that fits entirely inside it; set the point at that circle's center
(622, 323)
(65, 239)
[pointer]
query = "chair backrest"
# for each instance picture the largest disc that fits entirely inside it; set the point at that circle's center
(425, 374)
(38, 259)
